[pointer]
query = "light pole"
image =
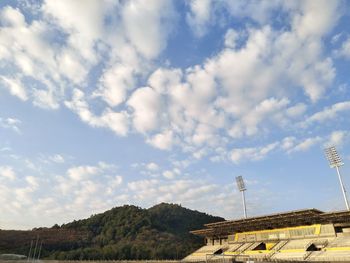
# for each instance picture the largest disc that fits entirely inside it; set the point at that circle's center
(335, 162)
(242, 188)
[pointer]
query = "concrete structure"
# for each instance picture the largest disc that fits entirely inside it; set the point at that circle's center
(304, 235)
(4, 257)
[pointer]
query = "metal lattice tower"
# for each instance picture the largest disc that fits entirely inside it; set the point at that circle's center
(335, 161)
(242, 189)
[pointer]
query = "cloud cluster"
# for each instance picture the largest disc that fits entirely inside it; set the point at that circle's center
(240, 91)
(116, 121)
(59, 50)
(87, 189)
(6, 172)
(327, 114)
(344, 50)
(78, 192)
(290, 145)
(104, 66)
(247, 88)
(199, 16)
(264, 90)
(10, 123)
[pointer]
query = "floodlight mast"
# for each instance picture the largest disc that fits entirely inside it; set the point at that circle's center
(335, 161)
(242, 188)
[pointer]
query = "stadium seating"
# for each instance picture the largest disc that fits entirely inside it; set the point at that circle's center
(205, 252)
(304, 235)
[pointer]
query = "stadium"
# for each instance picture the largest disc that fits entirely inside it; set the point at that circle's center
(303, 235)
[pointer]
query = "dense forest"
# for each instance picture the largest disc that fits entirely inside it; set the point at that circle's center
(126, 232)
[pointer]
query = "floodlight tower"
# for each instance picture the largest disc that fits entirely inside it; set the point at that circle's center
(241, 188)
(335, 161)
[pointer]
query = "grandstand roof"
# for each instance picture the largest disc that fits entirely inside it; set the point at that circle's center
(272, 221)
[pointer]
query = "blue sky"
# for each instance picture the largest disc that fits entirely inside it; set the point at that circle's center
(105, 103)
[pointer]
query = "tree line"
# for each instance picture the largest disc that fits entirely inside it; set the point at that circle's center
(126, 232)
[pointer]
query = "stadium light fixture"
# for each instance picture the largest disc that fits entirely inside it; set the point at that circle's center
(335, 161)
(242, 188)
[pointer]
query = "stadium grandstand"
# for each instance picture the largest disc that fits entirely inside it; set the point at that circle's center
(303, 235)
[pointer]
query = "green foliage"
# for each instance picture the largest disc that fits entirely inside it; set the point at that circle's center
(129, 232)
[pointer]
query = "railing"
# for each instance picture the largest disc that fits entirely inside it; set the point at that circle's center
(307, 254)
(316, 242)
(238, 247)
(275, 249)
(245, 248)
(225, 258)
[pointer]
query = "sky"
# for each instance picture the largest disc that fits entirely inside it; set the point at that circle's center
(105, 103)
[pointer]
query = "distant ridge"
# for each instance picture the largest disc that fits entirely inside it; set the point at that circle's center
(126, 232)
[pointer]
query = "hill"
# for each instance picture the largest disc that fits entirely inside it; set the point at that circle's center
(126, 232)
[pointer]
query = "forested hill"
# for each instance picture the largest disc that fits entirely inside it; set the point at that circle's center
(129, 232)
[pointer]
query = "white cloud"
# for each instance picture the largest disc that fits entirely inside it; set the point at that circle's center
(116, 121)
(32, 56)
(203, 134)
(57, 158)
(10, 123)
(12, 17)
(231, 38)
(24, 196)
(296, 110)
(252, 154)
(306, 144)
(258, 11)
(163, 141)
(263, 80)
(45, 99)
(71, 66)
(116, 181)
(292, 144)
(327, 113)
(288, 143)
(324, 12)
(249, 124)
(7, 172)
(154, 15)
(33, 182)
(82, 172)
(344, 50)
(146, 105)
(64, 41)
(114, 84)
(80, 106)
(189, 193)
(5, 149)
(247, 88)
(199, 16)
(142, 185)
(337, 138)
(162, 80)
(152, 166)
(169, 174)
(30, 45)
(29, 164)
(84, 29)
(15, 87)
(85, 189)
(178, 191)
